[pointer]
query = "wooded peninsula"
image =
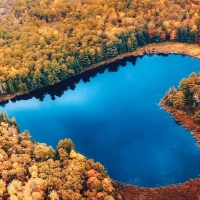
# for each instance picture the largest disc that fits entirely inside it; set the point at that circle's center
(184, 103)
(43, 42)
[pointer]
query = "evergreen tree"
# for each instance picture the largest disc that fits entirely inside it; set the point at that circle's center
(37, 81)
(22, 87)
(50, 75)
(72, 64)
(182, 34)
(10, 86)
(99, 54)
(123, 37)
(63, 72)
(191, 37)
(15, 82)
(183, 86)
(55, 65)
(141, 39)
(28, 80)
(111, 49)
(52, 78)
(92, 55)
(84, 58)
(132, 43)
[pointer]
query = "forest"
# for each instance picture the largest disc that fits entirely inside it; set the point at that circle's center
(43, 42)
(34, 171)
(187, 97)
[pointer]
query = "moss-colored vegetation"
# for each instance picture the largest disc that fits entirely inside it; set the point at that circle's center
(44, 42)
(187, 97)
(34, 171)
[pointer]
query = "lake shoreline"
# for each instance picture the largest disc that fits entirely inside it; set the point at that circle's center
(189, 189)
(185, 119)
(166, 48)
(192, 50)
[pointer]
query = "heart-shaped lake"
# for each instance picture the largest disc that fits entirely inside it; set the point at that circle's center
(115, 119)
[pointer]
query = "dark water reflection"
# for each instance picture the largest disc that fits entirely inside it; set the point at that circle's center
(58, 89)
(114, 118)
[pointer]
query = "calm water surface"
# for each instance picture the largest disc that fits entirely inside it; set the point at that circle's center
(115, 119)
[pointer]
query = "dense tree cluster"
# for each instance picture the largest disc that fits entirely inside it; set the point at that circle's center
(44, 42)
(187, 97)
(34, 171)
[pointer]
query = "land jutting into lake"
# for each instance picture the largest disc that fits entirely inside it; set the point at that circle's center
(183, 104)
(189, 189)
(45, 42)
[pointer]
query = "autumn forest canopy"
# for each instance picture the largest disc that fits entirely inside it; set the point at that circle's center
(186, 97)
(34, 171)
(43, 42)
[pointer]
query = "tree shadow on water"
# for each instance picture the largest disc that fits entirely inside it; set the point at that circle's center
(58, 89)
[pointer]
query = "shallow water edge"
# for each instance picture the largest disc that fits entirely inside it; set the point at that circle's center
(164, 48)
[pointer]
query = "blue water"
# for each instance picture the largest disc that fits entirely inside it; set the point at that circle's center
(115, 119)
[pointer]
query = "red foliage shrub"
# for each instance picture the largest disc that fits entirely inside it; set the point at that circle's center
(163, 35)
(152, 33)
